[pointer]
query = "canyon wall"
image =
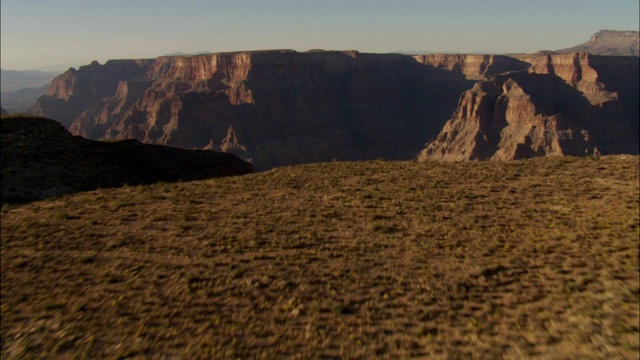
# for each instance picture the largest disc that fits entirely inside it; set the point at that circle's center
(575, 104)
(273, 108)
(283, 107)
(475, 67)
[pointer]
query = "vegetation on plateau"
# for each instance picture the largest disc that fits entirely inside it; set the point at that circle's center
(524, 259)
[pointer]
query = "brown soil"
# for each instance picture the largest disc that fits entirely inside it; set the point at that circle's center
(528, 259)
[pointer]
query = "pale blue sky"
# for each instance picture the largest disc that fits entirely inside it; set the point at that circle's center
(44, 33)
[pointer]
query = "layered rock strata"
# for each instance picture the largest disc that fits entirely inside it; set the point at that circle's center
(572, 104)
(475, 67)
(283, 107)
(274, 107)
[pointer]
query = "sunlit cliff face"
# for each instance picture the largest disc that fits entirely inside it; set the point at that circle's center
(285, 107)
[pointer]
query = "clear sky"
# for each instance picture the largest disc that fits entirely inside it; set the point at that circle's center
(41, 34)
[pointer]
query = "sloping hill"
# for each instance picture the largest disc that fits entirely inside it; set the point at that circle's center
(489, 260)
(41, 159)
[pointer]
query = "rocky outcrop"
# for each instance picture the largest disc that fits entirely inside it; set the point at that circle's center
(572, 104)
(40, 159)
(273, 107)
(73, 93)
(231, 144)
(476, 67)
(609, 42)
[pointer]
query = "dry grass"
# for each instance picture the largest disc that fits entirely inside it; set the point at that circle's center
(526, 259)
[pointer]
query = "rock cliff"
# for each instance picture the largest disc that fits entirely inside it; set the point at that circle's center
(476, 67)
(273, 107)
(283, 107)
(573, 104)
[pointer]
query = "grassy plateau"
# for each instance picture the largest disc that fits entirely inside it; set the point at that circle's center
(346, 260)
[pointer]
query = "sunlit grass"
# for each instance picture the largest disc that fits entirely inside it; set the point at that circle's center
(534, 258)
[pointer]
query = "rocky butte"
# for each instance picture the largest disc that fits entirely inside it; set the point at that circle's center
(283, 107)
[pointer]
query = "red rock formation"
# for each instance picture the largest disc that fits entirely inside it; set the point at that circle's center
(73, 92)
(477, 67)
(564, 105)
(283, 107)
(231, 144)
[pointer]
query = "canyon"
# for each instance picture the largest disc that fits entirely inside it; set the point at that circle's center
(282, 107)
(576, 104)
(440, 256)
(273, 108)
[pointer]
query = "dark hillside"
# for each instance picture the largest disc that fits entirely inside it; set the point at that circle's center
(41, 159)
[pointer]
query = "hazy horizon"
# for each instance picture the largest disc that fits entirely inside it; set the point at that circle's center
(46, 35)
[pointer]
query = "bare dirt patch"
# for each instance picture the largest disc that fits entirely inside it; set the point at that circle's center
(525, 259)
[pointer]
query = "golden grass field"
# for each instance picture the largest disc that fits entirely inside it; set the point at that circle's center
(532, 259)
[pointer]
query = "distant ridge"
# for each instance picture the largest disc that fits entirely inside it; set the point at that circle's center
(180, 53)
(609, 42)
(12, 80)
(20, 101)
